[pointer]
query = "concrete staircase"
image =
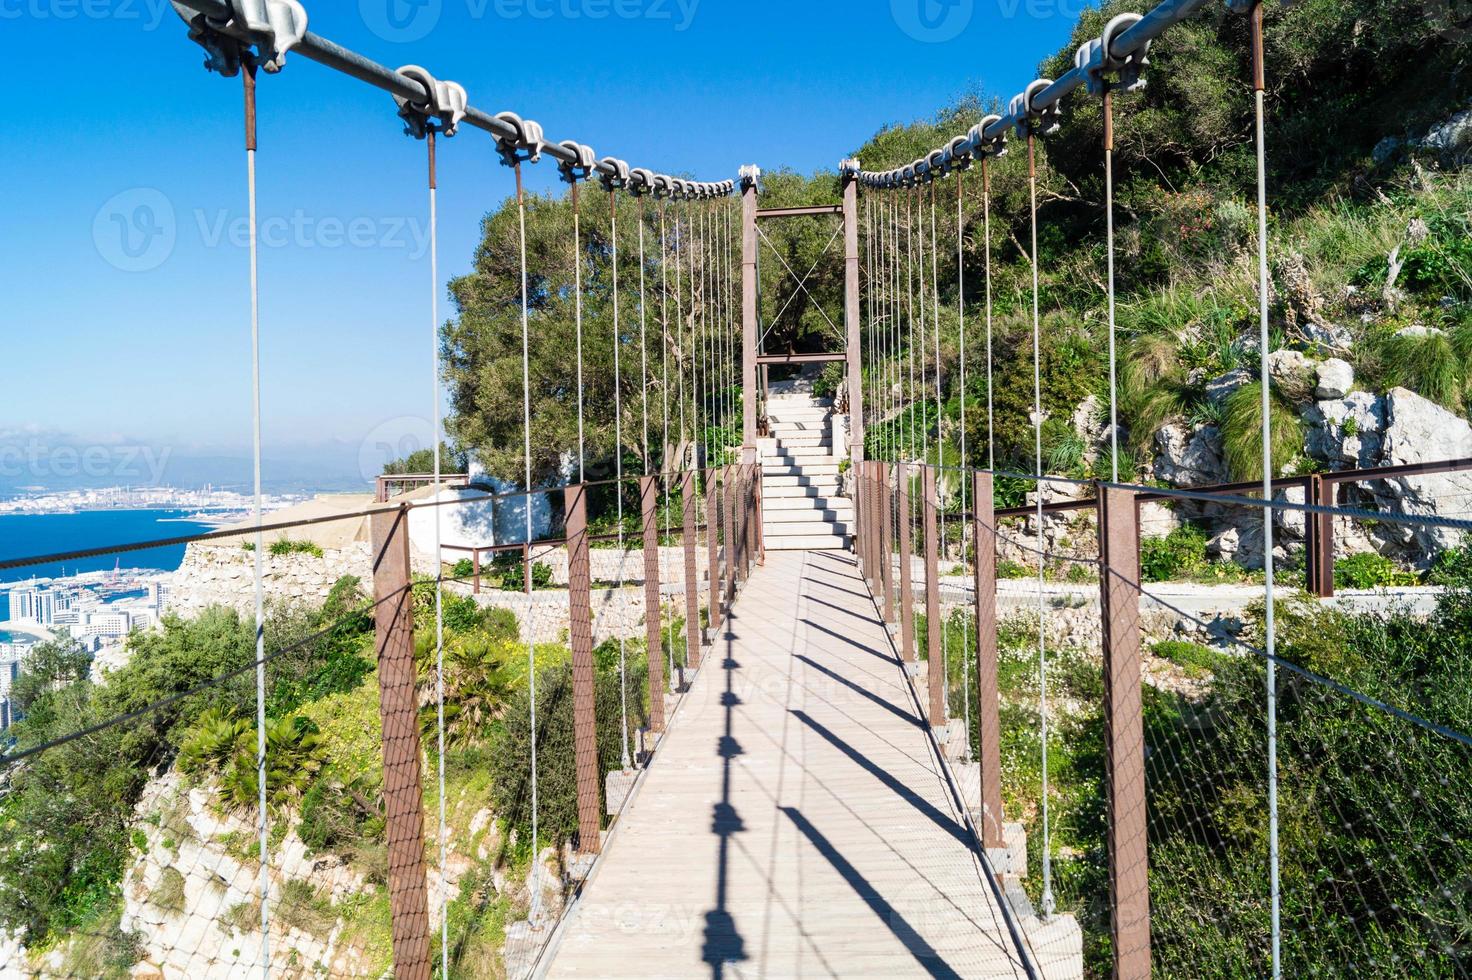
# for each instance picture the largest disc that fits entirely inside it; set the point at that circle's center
(801, 508)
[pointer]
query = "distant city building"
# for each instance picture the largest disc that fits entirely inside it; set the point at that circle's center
(37, 604)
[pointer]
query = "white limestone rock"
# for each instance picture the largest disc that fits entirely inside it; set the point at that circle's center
(1420, 431)
(1336, 379)
(1190, 459)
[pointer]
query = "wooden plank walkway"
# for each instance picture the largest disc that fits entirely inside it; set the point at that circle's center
(795, 822)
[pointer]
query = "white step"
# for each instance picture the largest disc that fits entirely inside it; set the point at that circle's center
(797, 492)
(800, 469)
(829, 483)
(839, 505)
(811, 418)
(816, 542)
(808, 514)
(802, 439)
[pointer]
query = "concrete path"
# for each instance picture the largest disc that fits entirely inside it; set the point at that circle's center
(795, 822)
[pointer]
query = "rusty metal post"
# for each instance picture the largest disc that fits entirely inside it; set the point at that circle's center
(526, 561)
(1124, 734)
(475, 559)
(713, 548)
(864, 513)
(852, 322)
(692, 583)
(886, 562)
(728, 519)
(653, 608)
(937, 669)
(398, 708)
(580, 633)
(749, 339)
(907, 583)
(1319, 543)
(988, 719)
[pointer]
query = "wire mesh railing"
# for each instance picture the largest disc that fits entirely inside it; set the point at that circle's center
(1112, 685)
(134, 837)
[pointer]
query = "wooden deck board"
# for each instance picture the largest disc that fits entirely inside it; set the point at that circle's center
(795, 822)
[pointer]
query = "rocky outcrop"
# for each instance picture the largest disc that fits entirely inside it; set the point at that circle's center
(224, 575)
(1420, 431)
(1190, 458)
(1335, 379)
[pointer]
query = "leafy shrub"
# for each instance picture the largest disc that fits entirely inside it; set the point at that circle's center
(1195, 659)
(478, 680)
(1370, 571)
(282, 547)
(1242, 432)
(1453, 567)
(1177, 555)
(556, 766)
(825, 385)
(1009, 569)
(222, 745)
(302, 906)
(464, 568)
(513, 578)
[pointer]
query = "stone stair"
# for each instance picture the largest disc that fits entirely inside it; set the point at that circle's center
(801, 508)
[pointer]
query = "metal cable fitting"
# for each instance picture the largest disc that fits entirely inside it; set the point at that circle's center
(615, 173)
(663, 186)
(995, 146)
(580, 167)
(750, 175)
(1032, 118)
(849, 169)
(957, 155)
(1096, 60)
(641, 181)
(273, 26)
(443, 111)
(525, 146)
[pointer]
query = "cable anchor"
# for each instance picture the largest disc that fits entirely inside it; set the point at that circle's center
(614, 174)
(1033, 119)
(274, 27)
(582, 164)
(442, 112)
(524, 145)
(1097, 61)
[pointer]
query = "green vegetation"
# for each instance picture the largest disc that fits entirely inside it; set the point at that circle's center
(1370, 571)
(1178, 555)
(283, 547)
(1356, 784)
(1242, 432)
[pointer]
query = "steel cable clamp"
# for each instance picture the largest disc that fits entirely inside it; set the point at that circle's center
(442, 112)
(525, 143)
(750, 175)
(274, 27)
(981, 145)
(641, 181)
(1096, 59)
(1032, 119)
(614, 173)
(582, 164)
(957, 155)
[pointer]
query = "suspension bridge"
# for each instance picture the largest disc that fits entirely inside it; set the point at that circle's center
(820, 718)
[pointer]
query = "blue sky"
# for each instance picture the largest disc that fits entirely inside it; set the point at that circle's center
(113, 126)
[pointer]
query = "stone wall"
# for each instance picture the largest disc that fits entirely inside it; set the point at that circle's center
(220, 575)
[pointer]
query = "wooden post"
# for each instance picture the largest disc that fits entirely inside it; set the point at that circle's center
(692, 583)
(653, 608)
(988, 720)
(1320, 538)
(886, 533)
(713, 549)
(933, 624)
(728, 504)
(398, 708)
(749, 178)
(580, 632)
(1124, 734)
(907, 583)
